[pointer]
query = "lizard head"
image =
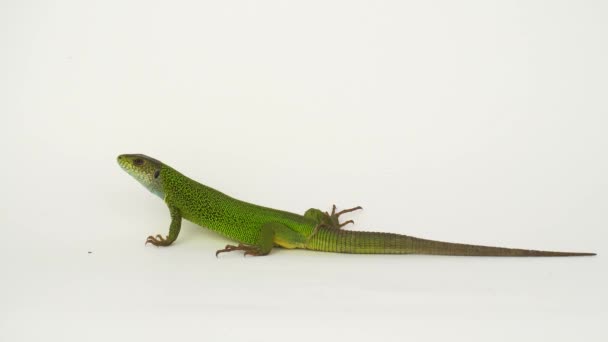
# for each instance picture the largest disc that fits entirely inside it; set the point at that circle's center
(146, 170)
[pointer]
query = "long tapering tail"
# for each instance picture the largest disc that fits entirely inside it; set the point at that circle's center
(348, 241)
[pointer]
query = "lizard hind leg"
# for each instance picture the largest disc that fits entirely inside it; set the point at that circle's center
(262, 246)
(325, 219)
(249, 249)
(271, 234)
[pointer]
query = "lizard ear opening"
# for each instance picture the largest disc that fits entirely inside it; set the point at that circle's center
(156, 174)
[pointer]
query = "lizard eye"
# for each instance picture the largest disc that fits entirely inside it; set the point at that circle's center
(138, 162)
(156, 173)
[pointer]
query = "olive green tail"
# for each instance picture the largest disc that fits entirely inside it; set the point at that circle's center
(347, 241)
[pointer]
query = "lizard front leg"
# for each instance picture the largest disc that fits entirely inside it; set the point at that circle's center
(174, 228)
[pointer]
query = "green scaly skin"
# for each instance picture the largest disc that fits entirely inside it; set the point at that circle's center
(258, 229)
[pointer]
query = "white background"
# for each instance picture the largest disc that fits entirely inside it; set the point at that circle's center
(470, 121)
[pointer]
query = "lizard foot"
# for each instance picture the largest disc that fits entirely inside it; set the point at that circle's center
(327, 220)
(249, 250)
(333, 219)
(158, 240)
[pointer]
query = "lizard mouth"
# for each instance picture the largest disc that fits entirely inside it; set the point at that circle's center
(123, 161)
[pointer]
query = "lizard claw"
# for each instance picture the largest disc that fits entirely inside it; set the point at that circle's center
(333, 219)
(249, 250)
(157, 240)
(345, 223)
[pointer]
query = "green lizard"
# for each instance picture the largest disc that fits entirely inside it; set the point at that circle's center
(258, 229)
